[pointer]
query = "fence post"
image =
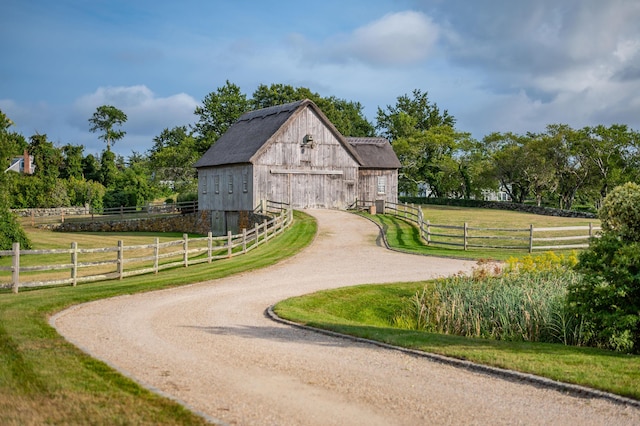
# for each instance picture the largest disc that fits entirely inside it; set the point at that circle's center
(185, 249)
(121, 212)
(590, 229)
(33, 219)
(281, 220)
(16, 267)
(74, 263)
(120, 262)
(428, 232)
(531, 238)
(156, 255)
(229, 243)
(62, 216)
(266, 232)
(209, 246)
(256, 230)
(466, 235)
(244, 240)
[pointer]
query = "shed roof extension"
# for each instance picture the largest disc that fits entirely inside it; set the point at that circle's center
(375, 153)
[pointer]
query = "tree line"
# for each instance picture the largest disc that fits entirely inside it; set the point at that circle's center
(561, 167)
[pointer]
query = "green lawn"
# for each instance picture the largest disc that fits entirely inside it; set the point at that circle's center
(45, 380)
(402, 235)
(366, 311)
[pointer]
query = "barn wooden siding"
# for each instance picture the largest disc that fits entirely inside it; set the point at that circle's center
(318, 174)
(226, 188)
(368, 185)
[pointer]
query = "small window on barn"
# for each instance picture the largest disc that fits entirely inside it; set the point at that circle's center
(245, 183)
(230, 184)
(204, 185)
(382, 184)
(216, 184)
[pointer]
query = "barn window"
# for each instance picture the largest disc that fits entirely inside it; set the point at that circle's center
(245, 183)
(216, 184)
(382, 184)
(204, 185)
(230, 184)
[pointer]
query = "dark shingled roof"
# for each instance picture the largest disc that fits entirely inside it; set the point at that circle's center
(247, 135)
(254, 129)
(375, 153)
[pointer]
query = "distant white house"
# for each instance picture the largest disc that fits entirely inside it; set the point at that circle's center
(23, 164)
(492, 195)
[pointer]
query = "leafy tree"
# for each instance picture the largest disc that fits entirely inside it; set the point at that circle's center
(506, 151)
(569, 161)
(609, 150)
(108, 169)
(219, 110)
(83, 192)
(276, 94)
(172, 158)
(410, 115)
(72, 163)
(43, 188)
(10, 229)
(105, 119)
(91, 168)
(346, 116)
(608, 297)
(435, 159)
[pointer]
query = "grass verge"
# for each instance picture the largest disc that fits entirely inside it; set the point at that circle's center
(367, 312)
(46, 380)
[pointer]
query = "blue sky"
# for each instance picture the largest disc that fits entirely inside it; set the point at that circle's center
(496, 65)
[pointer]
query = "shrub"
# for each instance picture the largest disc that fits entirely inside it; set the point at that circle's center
(607, 299)
(11, 231)
(189, 199)
(620, 212)
(115, 198)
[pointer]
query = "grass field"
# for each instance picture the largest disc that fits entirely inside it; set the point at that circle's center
(404, 236)
(46, 380)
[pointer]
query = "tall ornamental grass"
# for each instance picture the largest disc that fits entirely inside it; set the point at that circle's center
(523, 301)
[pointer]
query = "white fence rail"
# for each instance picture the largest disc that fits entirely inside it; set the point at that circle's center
(122, 261)
(465, 236)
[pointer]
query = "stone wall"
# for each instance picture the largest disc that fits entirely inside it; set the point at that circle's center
(67, 211)
(195, 223)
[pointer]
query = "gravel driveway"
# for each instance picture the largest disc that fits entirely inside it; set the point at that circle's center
(210, 346)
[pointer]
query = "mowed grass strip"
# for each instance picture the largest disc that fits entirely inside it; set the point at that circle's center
(404, 236)
(367, 312)
(46, 380)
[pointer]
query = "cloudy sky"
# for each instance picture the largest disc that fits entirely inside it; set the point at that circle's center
(496, 65)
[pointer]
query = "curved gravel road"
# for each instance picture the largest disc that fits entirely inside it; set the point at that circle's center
(210, 346)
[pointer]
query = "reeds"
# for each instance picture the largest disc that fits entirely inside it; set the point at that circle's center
(525, 301)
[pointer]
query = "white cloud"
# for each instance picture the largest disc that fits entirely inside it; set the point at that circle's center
(396, 39)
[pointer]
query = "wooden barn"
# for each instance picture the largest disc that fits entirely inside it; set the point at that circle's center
(293, 154)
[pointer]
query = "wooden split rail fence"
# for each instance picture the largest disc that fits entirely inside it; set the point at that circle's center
(122, 261)
(465, 236)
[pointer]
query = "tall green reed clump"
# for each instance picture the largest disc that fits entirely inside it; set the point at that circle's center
(522, 301)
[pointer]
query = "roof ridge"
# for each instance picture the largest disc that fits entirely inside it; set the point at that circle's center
(272, 110)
